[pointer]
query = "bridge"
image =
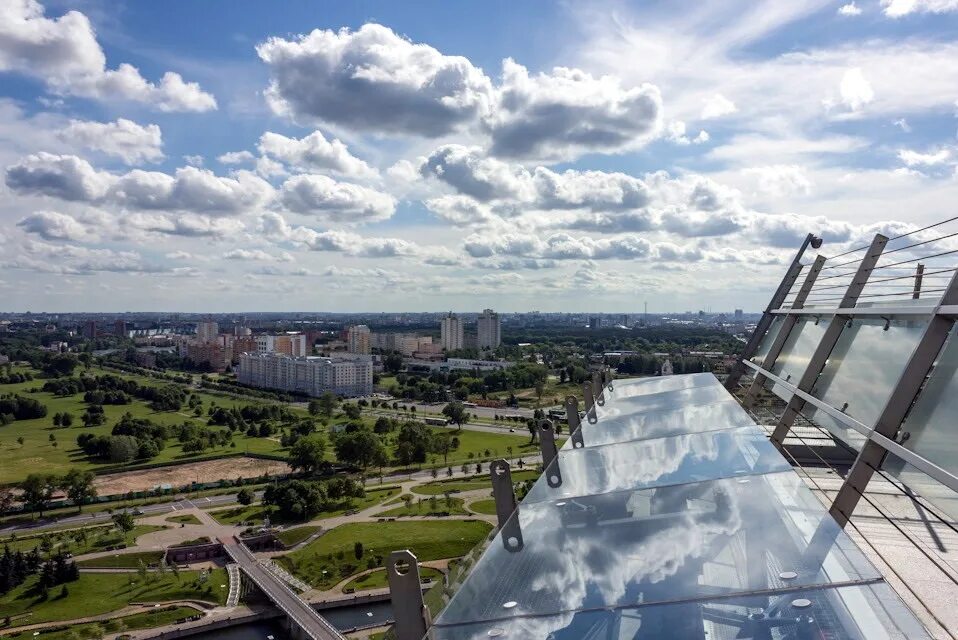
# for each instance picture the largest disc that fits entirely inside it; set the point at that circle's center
(304, 622)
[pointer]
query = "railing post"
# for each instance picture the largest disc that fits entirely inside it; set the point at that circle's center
(572, 413)
(896, 408)
(919, 272)
(405, 590)
(791, 274)
(787, 325)
(832, 333)
(598, 387)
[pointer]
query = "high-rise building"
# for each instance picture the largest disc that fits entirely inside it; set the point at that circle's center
(346, 376)
(489, 334)
(451, 332)
(357, 339)
(207, 331)
(595, 322)
(738, 314)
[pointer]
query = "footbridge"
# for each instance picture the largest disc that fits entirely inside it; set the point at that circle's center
(304, 622)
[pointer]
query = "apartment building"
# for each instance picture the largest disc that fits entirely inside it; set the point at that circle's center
(357, 339)
(451, 332)
(488, 330)
(345, 375)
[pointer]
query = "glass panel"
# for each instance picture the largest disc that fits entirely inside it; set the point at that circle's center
(866, 612)
(923, 485)
(621, 406)
(931, 425)
(664, 422)
(796, 352)
(767, 341)
(850, 380)
(632, 387)
(658, 462)
(654, 545)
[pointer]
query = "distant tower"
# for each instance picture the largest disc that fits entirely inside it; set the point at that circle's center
(489, 334)
(451, 332)
(357, 339)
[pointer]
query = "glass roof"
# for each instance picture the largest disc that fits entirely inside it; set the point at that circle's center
(872, 612)
(672, 518)
(658, 545)
(677, 459)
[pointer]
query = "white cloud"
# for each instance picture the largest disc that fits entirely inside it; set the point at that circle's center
(256, 255)
(194, 160)
(914, 158)
(66, 177)
(850, 9)
(717, 106)
(373, 79)
(236, 157)
(469, 171)
(124, 139)
(855, 89)
(63, 53)
(900, 8)
(562, 114)
(339, 202)
(53, 225)
(314, 152)
(781, 179)
(676, 132)
(902, 124)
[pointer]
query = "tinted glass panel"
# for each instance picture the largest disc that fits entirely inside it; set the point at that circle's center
(657, 462)
(617, 406)
(656, 545)
(767, 341)
(931, 425)
(631, 387)
(850, 380)
(796, 352)
(872, 612)
(658, 423)
(923, 485)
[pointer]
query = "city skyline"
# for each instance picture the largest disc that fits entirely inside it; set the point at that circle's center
(365, 157)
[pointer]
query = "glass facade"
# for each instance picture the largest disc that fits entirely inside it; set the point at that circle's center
(796, 352)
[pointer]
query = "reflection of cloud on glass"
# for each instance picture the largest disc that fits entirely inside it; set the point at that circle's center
(721, 414)
(645, 386)
(664, 400)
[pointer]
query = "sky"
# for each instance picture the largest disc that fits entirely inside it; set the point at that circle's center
(232, 155)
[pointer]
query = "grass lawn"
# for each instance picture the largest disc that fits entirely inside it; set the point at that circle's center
(98, 593)
(470, 484)
(431, 507)
(122, 560)
(256, 512)
(482, 445)
(334, 551)
(187, 518)
(37, 453)
(377, 579)
(145, 620)
(83, 540)
(484, 506)
(292, 537)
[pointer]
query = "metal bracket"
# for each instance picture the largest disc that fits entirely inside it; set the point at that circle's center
(598, 388)
(572, 413)
(589, 401)
(405, 590)
(502, 490)
(547, 442)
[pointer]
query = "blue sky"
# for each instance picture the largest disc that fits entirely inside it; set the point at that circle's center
(231, 156)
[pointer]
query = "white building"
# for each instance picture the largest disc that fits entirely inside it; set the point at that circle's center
(489, 334)
(451, 333)
(313, 376)
(357, 339)
(207, 331)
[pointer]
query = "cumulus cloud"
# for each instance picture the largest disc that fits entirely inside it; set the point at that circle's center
(236, 157)
(460, 210)
(850, 9)
(559, 246)
(781, 179)
(373, 79)
(124, 139)
(469, 171)
(190, 189)
(53, 225)
(915, 159)
(855, 89)
(314, 152)
(717, 106)
(64, 53)
(68, 259)
(559, 115)
(901, 8)
(340, 202)
(256, 255)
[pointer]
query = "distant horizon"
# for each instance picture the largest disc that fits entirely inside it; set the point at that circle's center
(458, 312)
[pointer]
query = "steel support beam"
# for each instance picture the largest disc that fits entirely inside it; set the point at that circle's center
(832, 333)
(405, 590)
(787, 325)
(502, 490)
(547, 442)
(919, 272)
(598, 387)
(791, 275)
(896, 408)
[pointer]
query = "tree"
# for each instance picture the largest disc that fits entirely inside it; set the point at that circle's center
(245, 496)
(327, 403)
(358, 550)
(78, 485)
(38, 489)
(124, 521)
(533, 432)
(20, 441)
(308, 453)
(123, 448)
(66, 419)
(360, 448)
(352, 411)
(314, 407)
(456, 413)
(393, 362)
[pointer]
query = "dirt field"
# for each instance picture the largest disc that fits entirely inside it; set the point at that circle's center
(209, 471)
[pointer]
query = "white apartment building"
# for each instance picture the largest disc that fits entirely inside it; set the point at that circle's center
(313, 376)
(489, 334)
(207, 331)
(451, 332)
(357, 339)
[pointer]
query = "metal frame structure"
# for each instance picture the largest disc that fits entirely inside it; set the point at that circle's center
(884, 435)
